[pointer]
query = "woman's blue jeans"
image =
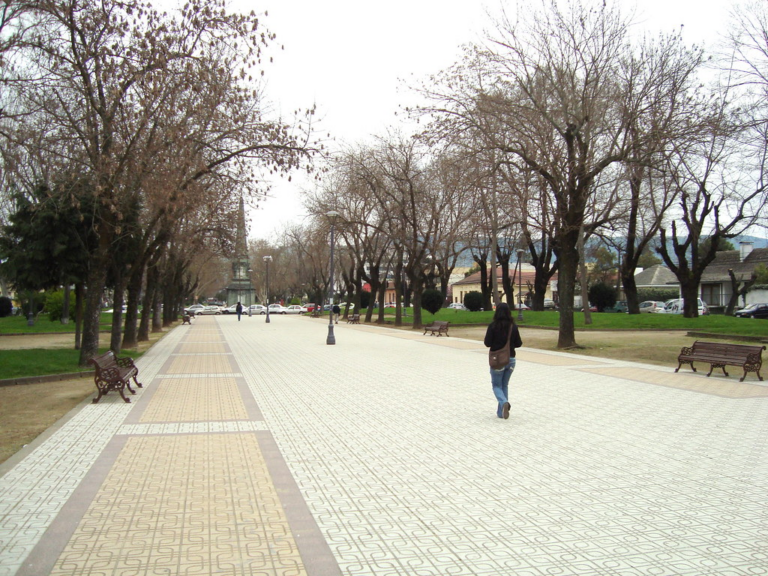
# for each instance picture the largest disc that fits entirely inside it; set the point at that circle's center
(500, 383)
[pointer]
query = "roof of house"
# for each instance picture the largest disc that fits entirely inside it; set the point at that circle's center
(657, 275)
(726, 260)
(526, 275)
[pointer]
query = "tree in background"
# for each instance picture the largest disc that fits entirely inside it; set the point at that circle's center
(432, 301)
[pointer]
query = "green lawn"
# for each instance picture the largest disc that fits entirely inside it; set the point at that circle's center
(715, 323)
(18, 325)
(39, 362)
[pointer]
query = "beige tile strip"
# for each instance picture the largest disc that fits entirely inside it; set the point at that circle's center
(556, 360)
(725, 388)
(196, 400)
(219, 513)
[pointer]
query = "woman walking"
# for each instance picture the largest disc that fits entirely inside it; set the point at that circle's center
(502, 337)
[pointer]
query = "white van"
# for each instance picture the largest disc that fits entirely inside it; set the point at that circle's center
(676, 307)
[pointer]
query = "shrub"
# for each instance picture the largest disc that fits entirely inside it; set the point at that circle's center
(432, 300)
(602, 295)
(365, 299)
(54, 305)
(6, 306)
(473, 301)
(658, 294)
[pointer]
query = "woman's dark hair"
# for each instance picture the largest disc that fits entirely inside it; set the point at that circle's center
(503, 314)
(502, 319)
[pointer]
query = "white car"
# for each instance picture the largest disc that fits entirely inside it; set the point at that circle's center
(209, 310)
(255, 309)
(294, 309)
(457, 306)
(231, 309)
(676, 307)
(194, 309)
(277, 309)
(652, 307)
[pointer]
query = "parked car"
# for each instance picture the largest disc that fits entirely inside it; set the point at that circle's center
(652, 306)
(753, 311)
(277, 309)
(310, 306)
(294, 309)
(194, 309)
(549, 304)
(676, 307)
(392, 305)
(256, 309)
(620, 306)
(231, 309)
(457, 306)
(209, 310)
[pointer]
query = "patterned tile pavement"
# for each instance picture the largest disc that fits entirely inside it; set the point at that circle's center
(257, 449)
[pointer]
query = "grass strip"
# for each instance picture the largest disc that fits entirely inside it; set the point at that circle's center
(43, 325)
(714, 323)
(44, 361)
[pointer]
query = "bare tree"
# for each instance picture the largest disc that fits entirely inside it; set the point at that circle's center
(719, 192)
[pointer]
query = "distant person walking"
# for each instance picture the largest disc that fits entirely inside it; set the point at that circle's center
(336, 311)
(502, 337)
(239, 310)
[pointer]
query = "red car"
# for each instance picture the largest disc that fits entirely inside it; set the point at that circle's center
(310, 307)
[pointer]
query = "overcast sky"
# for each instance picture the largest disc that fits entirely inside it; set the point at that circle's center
(350, 58)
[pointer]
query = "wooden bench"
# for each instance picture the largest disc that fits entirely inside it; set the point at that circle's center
(438, 327)
(720, 355)
(186, 319)
(113, 373)
(353, 319)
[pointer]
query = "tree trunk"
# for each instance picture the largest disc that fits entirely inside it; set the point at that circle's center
(506, 282)
(382, 294)
(97, 277)
(399, 291)
(630, 289)
(583, 278)
(79, 297)
(568, 258)
(147, 304)
(130, 332)
(690, 293)
(417, 290)
(65, 308)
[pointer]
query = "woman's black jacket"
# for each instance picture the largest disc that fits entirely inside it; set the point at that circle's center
(496, 336)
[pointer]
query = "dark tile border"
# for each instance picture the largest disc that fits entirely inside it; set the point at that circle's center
(314, 550)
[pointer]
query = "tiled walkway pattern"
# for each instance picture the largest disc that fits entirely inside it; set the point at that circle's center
(256, 449)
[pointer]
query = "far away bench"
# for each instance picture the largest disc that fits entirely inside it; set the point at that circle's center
(719, 355)
(438, 327)
(353, 319)
(113, 373)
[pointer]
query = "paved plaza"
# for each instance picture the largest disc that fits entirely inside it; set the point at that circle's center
(256, 449)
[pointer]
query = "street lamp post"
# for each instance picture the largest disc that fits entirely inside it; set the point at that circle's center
(267, 259)
(519, 286)
(331, 339)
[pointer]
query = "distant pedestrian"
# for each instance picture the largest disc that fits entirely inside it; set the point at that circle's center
(239, 310)
(502, 337)
(336, 311)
